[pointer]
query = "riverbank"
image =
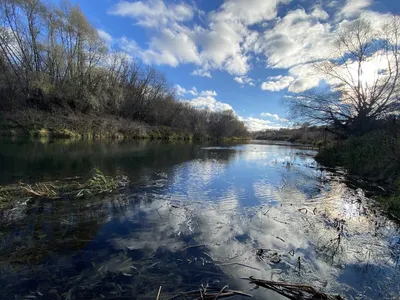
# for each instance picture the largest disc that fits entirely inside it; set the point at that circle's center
(57, 125)
(374, 157)
(316, 136)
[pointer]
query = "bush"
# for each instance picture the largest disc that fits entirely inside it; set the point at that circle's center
(375, 155)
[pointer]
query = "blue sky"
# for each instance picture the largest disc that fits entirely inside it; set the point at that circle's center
(244, 55)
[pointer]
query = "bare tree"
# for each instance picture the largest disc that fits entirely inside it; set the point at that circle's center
(363, 77)
(52, 58)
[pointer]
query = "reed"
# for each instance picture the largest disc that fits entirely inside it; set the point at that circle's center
(71, 188)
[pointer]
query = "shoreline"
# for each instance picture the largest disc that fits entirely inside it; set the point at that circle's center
(32, 123)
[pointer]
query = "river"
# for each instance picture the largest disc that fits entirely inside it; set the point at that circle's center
(191, 214)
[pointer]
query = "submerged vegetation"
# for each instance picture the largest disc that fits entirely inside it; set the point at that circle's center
(75, 239)
(56, 73)
(69, 188)
(112, 274)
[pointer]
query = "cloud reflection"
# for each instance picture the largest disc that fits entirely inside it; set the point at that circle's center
(204, 221)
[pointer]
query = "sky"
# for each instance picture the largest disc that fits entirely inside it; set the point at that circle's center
(243, 55)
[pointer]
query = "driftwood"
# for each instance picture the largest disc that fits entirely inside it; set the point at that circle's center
(209, 293)
(293, 291)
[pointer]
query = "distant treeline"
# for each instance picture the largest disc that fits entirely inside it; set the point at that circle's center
(53, 60)
(316, 135)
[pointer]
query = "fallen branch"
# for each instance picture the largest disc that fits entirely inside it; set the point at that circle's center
(159, 292)
(208, 293)
(293, 291)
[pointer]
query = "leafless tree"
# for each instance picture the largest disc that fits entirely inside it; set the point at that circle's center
(52, 58)
(363, 77)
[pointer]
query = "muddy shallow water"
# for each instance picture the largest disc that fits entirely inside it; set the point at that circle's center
(191, 214)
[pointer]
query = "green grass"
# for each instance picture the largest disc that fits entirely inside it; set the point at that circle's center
(392, 205)
(43, 132)
(65, 133)
(98, 184)
(374, 156)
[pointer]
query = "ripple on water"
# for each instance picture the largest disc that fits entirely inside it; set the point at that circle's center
(203, 220)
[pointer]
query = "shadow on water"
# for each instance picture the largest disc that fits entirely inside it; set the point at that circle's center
(192, 215)
(33, 161)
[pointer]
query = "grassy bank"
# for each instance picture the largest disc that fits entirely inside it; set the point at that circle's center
(39, 124)
(375, 157)
(311, 135)
(43, 125)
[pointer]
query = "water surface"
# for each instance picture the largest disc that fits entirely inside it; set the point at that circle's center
(192, 214)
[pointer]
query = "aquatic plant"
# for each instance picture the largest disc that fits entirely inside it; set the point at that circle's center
(98, 183)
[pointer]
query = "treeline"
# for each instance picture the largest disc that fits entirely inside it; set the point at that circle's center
(305, 133)
(53, 60)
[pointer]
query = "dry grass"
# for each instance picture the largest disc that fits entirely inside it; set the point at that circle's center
(70, 125)
(97, 184)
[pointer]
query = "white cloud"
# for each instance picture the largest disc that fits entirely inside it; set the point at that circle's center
(180, 91)
(255, 124)
(250, 11)
(237, 64)
(355, 7)
(201, 73)
(153, 13)
(208, 93)
(244, 80)
(224, 43)
(176, 47)
(239, 80)
(379, 20)
(274, 116)
(306, 78)
(105, 36)
(221, 45)
(227, 40)
(204, 100)
(277, 83)
(210, 103)
(168, 49)
(173, 44)
(129, 46)
(319, 13)
(297, 38)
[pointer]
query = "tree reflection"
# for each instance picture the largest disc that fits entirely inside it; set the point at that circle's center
(183, 221)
